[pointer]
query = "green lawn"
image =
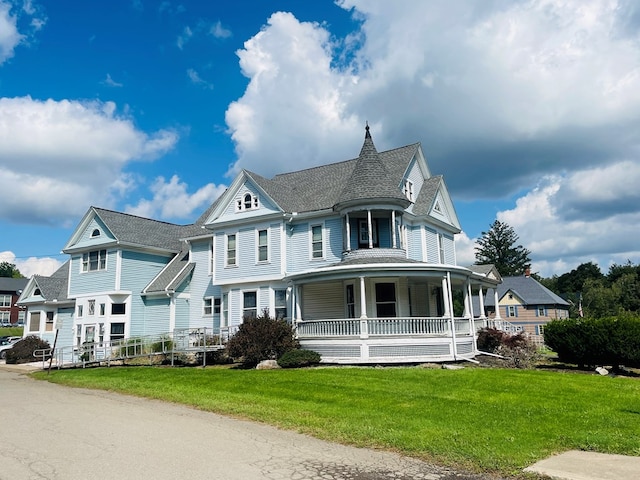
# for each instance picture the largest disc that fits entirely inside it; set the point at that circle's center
(482, 419)
(11, 331)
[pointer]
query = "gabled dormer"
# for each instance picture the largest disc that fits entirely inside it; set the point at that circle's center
(434, 205)
(244, 200)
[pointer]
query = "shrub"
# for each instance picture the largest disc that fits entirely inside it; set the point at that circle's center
(489, 339)
(299, 358)
(613, 341)
(261, 338)
(22, 352)
(518, 350)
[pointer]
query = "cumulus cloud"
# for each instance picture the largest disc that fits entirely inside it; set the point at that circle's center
(501, 94)
(172, 201)
(57, 157)
(10, 37)
(32, 265)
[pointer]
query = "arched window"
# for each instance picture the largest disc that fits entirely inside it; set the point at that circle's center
(95, 233)
(37, 292)
(248, 201)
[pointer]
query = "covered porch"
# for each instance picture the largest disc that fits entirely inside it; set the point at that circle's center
(388, 310)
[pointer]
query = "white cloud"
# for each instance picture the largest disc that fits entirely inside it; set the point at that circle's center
(184, 38)
(10, 37)
(500, 94)
(57, 157)
(218, 31)
(32, 265)
(172, 201)
(465, 249)
(110, 82)
(196, 79)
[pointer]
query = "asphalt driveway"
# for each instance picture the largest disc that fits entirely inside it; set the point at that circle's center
(54, 432)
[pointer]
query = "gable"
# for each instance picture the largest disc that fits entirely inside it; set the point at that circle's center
(511, 298)
(442, 209)
(91, 231)
(243, 199)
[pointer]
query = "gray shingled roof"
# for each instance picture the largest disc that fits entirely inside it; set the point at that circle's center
(322, 187)
(529, 290)
(134, 230)
(8, 284)
(54, 287)
(171, 276)
(427, 195)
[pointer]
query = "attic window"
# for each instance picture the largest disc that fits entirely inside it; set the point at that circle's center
(37, 292)
(408, 189)
(437, 207)
(510, 296)
(247, 202)
(95, 233)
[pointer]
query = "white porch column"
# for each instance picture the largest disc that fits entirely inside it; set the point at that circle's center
(481, 301)
(364, 326)
(393, 229)
(370, 228)
(452, 319)
(495, 302)
(348, 232)
(445, 297)
(293, 297)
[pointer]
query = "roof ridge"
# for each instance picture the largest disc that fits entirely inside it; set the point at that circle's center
(141, 218)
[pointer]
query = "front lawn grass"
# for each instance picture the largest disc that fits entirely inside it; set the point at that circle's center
(490, 420)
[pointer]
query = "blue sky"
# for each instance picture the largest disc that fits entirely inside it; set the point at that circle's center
(530, 109)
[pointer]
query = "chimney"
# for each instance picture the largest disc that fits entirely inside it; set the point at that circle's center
(527, 271)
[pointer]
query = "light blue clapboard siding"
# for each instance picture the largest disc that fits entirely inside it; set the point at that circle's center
(433, 255)
(264, 296)
(182, 313)
(415, 176)
(96, 281)
(384, 232)
(414, 238)
(152, 318)
(201, 285)
(299, 244)
(299, 247)
(86, 240)
(333, 239)
(247, 253)
(138, 269)
(449, 249)
(66, 333)
(265, 206)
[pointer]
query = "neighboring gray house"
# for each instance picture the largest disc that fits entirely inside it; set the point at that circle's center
(526, 303)
(359, 255)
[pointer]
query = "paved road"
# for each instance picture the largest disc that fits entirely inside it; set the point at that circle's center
(59, 433)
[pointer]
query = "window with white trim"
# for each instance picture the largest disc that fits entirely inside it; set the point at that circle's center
(317, 244)
(5, 300)
(250, 304)
(408, 189)
(48, 326)
(34, 322)
(511, 311)
(102, 309)
(118, 308)
(5, 317)
(231, 250)
(351, 301)
(248, 201)
(91, 307)
(207, 306)
(441, 250)
(280, 303)
(263, 246)
(542, 312)
(224, 321)
(95, 233)
(94, 261)
(116, 331)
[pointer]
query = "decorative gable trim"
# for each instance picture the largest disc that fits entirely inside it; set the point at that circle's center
(100, 233)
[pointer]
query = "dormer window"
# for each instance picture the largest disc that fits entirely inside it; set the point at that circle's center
(247, 202)
(408, 189)
(95, 233)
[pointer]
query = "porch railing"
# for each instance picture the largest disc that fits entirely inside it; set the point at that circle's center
(380, 327)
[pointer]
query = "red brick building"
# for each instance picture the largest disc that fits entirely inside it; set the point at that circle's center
(10, 290)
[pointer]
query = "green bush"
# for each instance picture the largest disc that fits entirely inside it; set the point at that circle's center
(22, 352)
(261, 338)
(299, 358)
(611, 341)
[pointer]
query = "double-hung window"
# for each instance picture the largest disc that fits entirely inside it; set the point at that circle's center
(231, 250)
(48, 327)
(263, 246)
(317, 247)
(93, 261)
(5, 300)
(250, 304)
(281, 303)
(207, 306)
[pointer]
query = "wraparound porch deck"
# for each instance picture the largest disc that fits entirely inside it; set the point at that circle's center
(390, 340)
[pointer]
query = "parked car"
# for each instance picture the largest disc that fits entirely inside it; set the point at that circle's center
(6, 344)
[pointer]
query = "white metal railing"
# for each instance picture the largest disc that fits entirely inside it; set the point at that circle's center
(397, 326)
(178, 341)
(498, 324)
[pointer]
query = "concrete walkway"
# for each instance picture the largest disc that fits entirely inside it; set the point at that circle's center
(64, 433)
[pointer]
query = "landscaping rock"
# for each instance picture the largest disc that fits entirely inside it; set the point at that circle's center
(267, 365)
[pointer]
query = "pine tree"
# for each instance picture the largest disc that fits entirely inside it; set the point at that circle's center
(498, 246)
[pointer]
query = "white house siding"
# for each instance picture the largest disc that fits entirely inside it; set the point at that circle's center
(137, 271)
(153, 317)
(323, 300)
(433, 255)
(96, 281)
